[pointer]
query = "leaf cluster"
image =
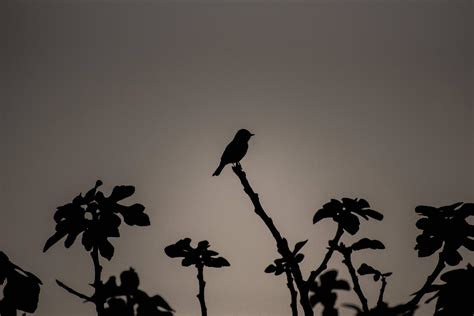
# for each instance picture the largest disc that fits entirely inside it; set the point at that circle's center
(322, 292)
(127, 300)
(200, 256)
(281, 265)
(445, 225)
(21, 291)
(96, 217)
(346, 213)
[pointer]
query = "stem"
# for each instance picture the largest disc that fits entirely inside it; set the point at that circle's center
(382, 291)
(314, 274)
(429, 281)
(99, 304)
(293, 293)
(72, 291)
(281, 244)
(202, 285)
(348, 262)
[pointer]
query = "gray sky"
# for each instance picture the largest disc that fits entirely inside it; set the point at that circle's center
(365, 99)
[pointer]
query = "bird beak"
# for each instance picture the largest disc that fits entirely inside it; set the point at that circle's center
(252, 134)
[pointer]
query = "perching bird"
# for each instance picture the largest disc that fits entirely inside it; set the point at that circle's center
(235, 151)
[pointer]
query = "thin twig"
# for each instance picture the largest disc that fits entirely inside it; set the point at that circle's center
(382, 291)
(293, 293)
(202, 285)
(314, 274)
(74, 292)
(355, 280)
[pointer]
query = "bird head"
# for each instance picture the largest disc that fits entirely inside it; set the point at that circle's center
(243, 134)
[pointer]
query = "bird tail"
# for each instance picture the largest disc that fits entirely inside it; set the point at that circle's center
(219, 169)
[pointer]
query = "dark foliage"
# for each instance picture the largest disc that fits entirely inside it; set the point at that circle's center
(281, 265)
(345, 213)
(456, 294)
(21, 291)
(127, 300)
(365, 269)
(322, 292)
(199, 256)
(382, 310)
(96, 218)
(445, 225)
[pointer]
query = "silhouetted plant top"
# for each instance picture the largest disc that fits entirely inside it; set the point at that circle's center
(281, 265)
(96, 217)
(456, 294)
(21, 291)
(448, 225)
(199, 256)
(127, 300)
(323, 292)
(345, 213)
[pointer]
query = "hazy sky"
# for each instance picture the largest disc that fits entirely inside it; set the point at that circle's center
(365, 99)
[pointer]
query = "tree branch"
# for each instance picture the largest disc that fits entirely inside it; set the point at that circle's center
(382, 291)
(281, 244)
(293, 293)
(202, 285)
(332, 243)
(74, 292)
(355, 280)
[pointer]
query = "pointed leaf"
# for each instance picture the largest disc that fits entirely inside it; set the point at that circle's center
(121, 192)
(323, 213)
(299, 245)
(270, 269)
(54, 239)
(366, 269)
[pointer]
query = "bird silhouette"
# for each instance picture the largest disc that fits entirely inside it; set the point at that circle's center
(235, 151)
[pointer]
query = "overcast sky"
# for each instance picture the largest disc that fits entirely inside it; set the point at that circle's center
(367, 99)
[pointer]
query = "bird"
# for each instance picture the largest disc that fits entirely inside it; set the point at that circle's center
(235, 150)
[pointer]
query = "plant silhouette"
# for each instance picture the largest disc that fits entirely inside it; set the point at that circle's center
(323, 292)
(200, 257)
(21, 291)
(97, 218)
(281, 265)
(444, 227)
(455, 295)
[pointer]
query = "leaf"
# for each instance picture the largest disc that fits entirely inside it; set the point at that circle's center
(121, 192)
(54, 239)
(350, 223)
(452, 257)
(106, 249)
(427, 245)
(366, 269)
(270, 269)
(426, 210)
(373, 214)
(158, 301)
(203, 245)
(179, 249)
(376, 277)
(299, 257)
(323, 213)
(387, 274)
(188, 261)
(217, 262)
(366, 243)
(129, 280)
(299, 245)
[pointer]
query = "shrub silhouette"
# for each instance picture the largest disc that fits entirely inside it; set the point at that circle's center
(97, 218)
(455, 295)
(21, 291)
(446, 226)
(323, 292)
(200, 257)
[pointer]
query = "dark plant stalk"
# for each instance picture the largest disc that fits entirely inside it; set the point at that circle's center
(382, 291)
(355, 280)
(72, 291)
(429, 281)
(281, 245)
(99, 304)
(332, 243)
(293, 293)
(202, 285)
